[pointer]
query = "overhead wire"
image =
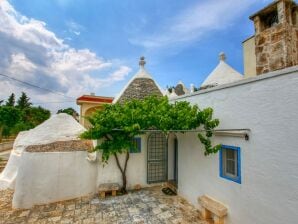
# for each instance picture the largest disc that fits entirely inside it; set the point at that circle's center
(35, 86)
(72, 101)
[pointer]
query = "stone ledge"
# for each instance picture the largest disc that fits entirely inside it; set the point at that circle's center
(62, 146)
(213, 206)
(109, 187)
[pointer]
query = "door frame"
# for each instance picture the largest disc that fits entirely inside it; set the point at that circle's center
(176, 148)
(165, 160)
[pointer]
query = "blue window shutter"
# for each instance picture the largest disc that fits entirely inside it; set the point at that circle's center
(237, 150)
(137, 142)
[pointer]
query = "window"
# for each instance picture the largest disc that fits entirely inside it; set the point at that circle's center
(270, 19)
(137, 145)
(229, 163)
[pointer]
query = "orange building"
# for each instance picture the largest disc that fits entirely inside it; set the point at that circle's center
(90, 103)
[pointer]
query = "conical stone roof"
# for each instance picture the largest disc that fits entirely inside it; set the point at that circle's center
(140, 86)
(222, 74)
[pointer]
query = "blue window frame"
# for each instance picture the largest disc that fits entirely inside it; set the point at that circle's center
(137, 145)
(230, 163)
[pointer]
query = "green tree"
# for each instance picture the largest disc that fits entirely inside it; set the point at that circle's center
(118, 123)
(9, 117)
(23, 101)
(30, 118)
(11, 100)
(69, 111)
(36, 115)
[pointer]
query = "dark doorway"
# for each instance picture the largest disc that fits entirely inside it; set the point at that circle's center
(176, 162)
(157, 158)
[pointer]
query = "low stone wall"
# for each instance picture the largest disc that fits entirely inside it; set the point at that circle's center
(6, 146)
(62, 146)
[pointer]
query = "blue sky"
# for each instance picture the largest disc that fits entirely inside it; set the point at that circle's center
(79, 46)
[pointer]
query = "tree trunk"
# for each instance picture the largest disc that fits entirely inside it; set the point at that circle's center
(122, 170)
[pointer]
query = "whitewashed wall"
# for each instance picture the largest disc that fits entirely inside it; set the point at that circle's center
(268, 105)
(136, 168)
(53, 176)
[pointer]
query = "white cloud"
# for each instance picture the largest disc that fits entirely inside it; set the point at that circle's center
(31, 52)
(193, 22)
(74, 27)
(119, 74)
(21, 65)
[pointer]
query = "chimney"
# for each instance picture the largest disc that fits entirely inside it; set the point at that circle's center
(276, 36)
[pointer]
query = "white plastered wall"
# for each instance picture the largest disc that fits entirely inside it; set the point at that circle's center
(66, 175)
(62, 176)
(268, 105)
(136, 168)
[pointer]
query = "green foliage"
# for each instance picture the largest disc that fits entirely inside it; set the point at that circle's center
(118, 123)
(9, 116)
(31, 117)
(24, 101)
(21, 117)
(69, 111)
(11, 100)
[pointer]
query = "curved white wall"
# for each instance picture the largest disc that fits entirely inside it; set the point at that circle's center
(53, 176)
(44, 177)
(136, 168)
(268, 105)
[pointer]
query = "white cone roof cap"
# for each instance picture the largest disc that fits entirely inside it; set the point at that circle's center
(172, 95)
(222, 74)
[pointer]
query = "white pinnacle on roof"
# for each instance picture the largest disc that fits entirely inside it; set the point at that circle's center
(141, 74)
(166, 93)
(172, 95)
(222, 74)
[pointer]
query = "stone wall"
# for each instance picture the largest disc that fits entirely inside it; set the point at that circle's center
(62, 146)
(139, 89)
(276, 46)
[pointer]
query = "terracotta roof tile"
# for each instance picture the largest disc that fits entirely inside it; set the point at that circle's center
(96, 99)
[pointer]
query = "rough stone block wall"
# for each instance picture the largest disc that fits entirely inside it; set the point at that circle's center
(276, 46)
(62, 146)
(139, 89)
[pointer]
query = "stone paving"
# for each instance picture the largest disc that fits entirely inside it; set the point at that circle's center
(148, 205)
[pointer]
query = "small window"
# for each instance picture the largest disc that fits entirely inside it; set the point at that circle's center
(230, 167)
(270, 19)
(137, 145)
